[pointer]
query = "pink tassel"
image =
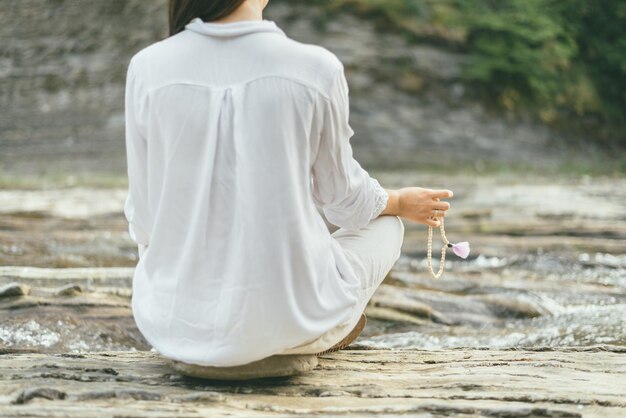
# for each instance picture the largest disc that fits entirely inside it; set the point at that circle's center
(462, 249)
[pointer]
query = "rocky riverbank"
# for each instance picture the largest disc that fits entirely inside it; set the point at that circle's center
(539, 382)
(532, 324)
(547, 268)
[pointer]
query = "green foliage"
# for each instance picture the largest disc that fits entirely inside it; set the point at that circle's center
(552, 56)
(562, 60)
(599, 29)
(519, 53)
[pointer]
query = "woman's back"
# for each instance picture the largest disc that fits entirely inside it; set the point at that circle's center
(235, 133)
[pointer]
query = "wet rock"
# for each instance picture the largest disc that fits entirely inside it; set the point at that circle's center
(511, 306)
(13, 289)
(450, 283)
(334, 393)
(200, 397)
(46, 393)
(440, 318)
(444, 308)
(387, 314)
(604, 260)
(136, 394)
(69, 290)
(395, 298)
(53, 324)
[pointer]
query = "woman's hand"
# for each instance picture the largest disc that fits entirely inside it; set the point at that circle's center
(418, 204)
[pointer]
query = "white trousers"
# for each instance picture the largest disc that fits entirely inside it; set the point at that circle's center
(372, 251)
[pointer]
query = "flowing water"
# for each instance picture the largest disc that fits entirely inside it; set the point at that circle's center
(580, 304)
(538, 274)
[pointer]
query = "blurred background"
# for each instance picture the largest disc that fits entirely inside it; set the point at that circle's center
(517, 106)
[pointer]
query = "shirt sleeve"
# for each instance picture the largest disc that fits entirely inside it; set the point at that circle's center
(348, 196)
(135, 206)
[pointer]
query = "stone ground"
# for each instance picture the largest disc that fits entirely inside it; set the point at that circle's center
(532, 324)
(535, 382)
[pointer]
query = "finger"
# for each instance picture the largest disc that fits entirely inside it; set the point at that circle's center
(439, 213)
(441, 205)
(433, 222)
(442, 194)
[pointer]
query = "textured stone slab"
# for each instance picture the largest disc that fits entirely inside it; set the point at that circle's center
(86, 276)
(575, 382)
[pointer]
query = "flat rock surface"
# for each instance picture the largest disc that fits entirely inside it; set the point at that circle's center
(546, 382)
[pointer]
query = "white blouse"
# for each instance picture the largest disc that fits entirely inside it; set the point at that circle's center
(235, 135)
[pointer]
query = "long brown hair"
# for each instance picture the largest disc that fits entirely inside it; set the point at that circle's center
(182, 12)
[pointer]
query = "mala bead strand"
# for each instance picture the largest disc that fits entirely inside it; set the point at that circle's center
(461, 249)
(443, 250)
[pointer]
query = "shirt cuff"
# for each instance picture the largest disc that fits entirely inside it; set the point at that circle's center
(141, 248)
(380, 198)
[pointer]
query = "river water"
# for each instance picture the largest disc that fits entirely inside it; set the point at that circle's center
(543, 271)
(575, 303)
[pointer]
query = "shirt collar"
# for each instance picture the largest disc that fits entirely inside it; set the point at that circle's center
(239, 27)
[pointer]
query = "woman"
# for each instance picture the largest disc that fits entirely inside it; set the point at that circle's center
(235, 136)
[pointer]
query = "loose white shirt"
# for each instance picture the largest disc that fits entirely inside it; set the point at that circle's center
(236, 135)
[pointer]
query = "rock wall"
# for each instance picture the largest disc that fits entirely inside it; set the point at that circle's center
(63, 65)
(62, 79)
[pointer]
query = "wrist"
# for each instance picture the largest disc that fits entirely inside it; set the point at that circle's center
(393, 203)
